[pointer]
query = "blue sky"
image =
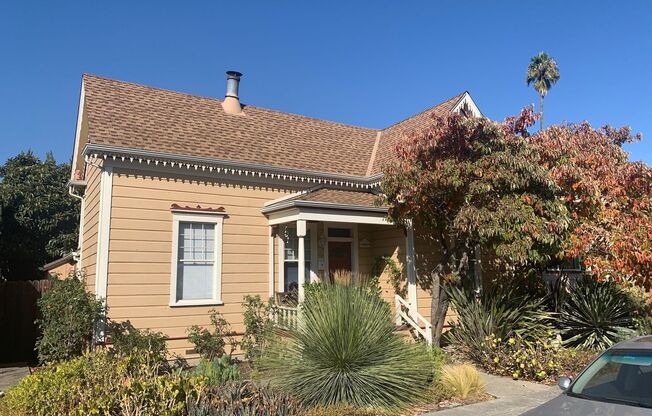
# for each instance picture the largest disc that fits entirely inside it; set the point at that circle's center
(364, 63)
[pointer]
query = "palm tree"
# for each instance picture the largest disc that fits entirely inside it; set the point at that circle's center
(543, 73)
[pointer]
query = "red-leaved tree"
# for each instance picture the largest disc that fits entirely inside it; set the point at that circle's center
(609, 198)
(464, 182)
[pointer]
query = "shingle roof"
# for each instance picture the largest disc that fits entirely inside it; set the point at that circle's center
(339, 196)
(133, 116)
(329, 197)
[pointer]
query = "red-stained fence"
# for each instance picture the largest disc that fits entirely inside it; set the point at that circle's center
(18, 311)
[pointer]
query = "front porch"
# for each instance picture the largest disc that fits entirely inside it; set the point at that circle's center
(317, 234)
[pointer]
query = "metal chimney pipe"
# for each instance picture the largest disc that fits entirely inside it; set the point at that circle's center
(231, 103)
(232, 83)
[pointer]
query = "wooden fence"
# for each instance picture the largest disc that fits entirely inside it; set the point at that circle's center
(18, 311)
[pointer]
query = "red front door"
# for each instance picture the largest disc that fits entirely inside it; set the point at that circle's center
(339, 256)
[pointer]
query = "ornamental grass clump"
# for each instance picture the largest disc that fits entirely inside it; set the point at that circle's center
(463, 381)
(345, 351)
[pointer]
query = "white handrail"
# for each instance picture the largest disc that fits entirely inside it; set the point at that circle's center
(413, 318)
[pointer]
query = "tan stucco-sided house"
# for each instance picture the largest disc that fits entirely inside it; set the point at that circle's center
(190, 203)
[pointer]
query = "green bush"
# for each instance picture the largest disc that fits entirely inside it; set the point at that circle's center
(596, 315)
(101, 383)
(539, 360)
(213, 344)
(345, 350)
(126, 339)
(244, 399)
(258, 326)
(218, 371)
(69, 315)
(498, 312)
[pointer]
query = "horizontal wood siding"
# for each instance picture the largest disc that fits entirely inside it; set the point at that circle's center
(388, 241)
(90, 225)
(140, 249)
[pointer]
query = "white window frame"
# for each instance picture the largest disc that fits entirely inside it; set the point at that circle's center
(207, 218)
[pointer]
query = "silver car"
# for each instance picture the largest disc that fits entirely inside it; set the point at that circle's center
(618, 383)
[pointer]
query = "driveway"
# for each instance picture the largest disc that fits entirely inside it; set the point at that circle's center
(512, 398)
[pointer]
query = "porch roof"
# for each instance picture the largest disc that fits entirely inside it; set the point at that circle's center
(328, 198)
(327, 204)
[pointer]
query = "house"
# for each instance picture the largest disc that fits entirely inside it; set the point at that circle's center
(61, 267)
(190, 203)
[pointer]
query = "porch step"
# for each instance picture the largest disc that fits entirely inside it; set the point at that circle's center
(405, 332)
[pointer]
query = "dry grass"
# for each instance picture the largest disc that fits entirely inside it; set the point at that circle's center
(462, 380)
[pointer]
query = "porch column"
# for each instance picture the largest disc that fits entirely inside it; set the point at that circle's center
(411, 268)
(272, 238)
(301, 234)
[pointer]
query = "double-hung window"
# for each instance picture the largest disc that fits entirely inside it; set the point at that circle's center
(197, 259)
(291, 258)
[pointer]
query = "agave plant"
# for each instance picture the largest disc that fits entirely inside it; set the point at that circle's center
(596, 315)
(498, 312)
(345, 350)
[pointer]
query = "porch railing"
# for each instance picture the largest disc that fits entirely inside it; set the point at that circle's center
(286, 317)
(414, 319)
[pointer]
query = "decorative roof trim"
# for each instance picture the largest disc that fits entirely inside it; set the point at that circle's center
(468, 101)
(319, 204)
(228, 167)
(197, 210)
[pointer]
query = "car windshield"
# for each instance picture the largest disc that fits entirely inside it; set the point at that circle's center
(618, 377)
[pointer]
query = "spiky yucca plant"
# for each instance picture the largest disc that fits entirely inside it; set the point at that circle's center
(596, 315)
(345, 350)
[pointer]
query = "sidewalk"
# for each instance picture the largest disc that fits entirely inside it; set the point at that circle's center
(11, 374)
(512, 398)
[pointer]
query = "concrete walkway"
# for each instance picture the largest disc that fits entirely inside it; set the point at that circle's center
(512, 398)
(11, 374)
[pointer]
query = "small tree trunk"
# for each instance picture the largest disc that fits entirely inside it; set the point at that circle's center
(438, 298)
(541, 111)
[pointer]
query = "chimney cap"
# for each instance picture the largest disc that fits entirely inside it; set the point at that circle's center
(233, 74)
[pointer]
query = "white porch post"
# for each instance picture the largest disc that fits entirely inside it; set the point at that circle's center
(411, 268)
(272, 234)
(301, 234)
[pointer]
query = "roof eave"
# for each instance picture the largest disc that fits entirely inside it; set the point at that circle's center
(140, 155)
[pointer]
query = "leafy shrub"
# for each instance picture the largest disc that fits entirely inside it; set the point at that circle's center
(345, 350)
(211, 345)
(244, 399)
(596, 315)
(218, 371)
(394, 274)
(69, 315)
(343, 409)
(126, 339)
(258, 326)
(540, 360)
(463, 380)
(101, 383)
(498, 312)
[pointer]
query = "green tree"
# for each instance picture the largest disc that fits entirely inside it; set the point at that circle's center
(38, 219)
(464, 182)
(543, 73)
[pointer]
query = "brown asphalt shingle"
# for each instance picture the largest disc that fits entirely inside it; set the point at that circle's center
(339, 196)
(134, 116)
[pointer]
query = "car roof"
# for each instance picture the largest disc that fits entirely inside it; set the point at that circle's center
(639, 343)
